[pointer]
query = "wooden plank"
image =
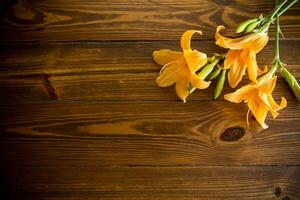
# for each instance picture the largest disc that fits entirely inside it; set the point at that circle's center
(136, 87)
(25, 89)
(217, 183)
(75, 58)
(101, 71)
(54, 20)
(145, 133)
(132, 87)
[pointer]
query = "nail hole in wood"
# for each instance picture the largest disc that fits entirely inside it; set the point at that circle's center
(232, 134)
(277, 191)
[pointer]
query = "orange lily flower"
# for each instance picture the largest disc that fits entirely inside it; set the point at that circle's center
(259, 98)
(241, 55)
(181, 67)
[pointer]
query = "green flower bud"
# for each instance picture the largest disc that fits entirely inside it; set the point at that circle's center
(214, 74)
(241, 28)
(220, 84)
(211, 59)
(251, 26)
(207, 69)
(291, 80)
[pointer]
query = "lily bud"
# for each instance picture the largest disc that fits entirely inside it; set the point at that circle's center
(211, 59)
(220, 84)
(290, 79)
(252, 26)
(207, 69)
(241, 28)
(214, 74)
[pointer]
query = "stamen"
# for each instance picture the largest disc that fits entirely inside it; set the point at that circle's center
(247, 117)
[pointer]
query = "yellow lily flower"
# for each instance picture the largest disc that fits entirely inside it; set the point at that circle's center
(259, 98)
(241, 55)
(180, 67)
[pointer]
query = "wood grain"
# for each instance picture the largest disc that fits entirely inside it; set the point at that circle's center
(36, 88)
(82, 118)
(48, 21)
(145, 133)
(102, 71)
(104, 57)
(216, 183)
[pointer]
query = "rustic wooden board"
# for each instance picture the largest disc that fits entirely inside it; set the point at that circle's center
(151, 133)
(82, 118)
(102, 71)
(53, 20)
(196, 182)
(97, 87)
(107, 57)
(36, 88)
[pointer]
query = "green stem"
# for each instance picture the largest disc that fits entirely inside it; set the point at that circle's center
(276, 12)
(290, 79)
(277, 8)
(276, 61)
(287, 7)
(277, 56)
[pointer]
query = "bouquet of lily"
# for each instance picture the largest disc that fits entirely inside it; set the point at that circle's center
(191, 69)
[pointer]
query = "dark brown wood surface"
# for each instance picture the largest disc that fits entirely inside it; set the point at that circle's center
(82, 117)
(53, 20)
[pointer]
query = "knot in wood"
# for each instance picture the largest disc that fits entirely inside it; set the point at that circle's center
(232, 134)
(277, 191)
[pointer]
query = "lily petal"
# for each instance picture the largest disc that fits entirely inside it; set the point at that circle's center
(186, 39)
(195, 59)
(231, 43)
(236, 73)
(240, 95)
(199, 83)
(255, 40)
(259, 110)
(274, 105)
(264, 70)
(249, 57)
(230, 57)
(265, 94)
(168, 76)
(182, 89)
(258, 43)
(267, 85)
(265, 98)
(166, 56)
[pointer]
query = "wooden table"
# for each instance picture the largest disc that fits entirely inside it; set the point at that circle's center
(82, 117)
